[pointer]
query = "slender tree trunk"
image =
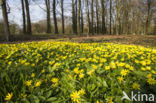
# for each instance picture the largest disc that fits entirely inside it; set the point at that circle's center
(23, 14)
(5, 18)
(54, 16)
(118, 24)
(88, 17)
(110, 17)
(79, 18)
(149, 2)
(48, 16)
(28, 18)
(82, 22)
(76, 7)
(92, 15)
(73, 16)
(97, 16)
(62, 9)
(103, 17)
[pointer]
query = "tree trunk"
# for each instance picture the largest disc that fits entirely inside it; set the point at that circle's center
(23, 14)
(76, 16)
(97, 16)
(118, 24)
(79, 18)
(54, 16)
(28, 18)
(62, 9)
(88, 17)
(149, 2)
(92, 15)
(110, 17)
(82, 22)
(73, 16)
(5, 18)
(103, 17)
(47, 2)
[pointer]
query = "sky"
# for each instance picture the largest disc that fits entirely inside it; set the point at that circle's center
(36, 13)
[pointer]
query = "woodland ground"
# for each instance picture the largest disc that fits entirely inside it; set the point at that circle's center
(144, 40)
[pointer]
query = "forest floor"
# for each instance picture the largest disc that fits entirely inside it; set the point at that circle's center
(146, 40)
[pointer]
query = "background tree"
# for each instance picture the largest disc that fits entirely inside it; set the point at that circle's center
(29, 32)
(62, 10)
(54, 17)
(92, 17)
(23, 15)
(47, 2)
(110, 21)
(103, 17)
(5, 18)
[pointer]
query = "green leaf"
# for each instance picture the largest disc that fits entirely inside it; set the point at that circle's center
(24, 100)
(34, 99)
(51, 100)
(105, 84)
(47, 94)
(42, 98)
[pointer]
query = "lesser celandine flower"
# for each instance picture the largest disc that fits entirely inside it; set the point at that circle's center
(75, 96)
(151, 81)
(33, 75)
(124, 72)
(120, 79)
(136, 86)
(38, 83)
(54, 80)
(28, 83)
(8, 96)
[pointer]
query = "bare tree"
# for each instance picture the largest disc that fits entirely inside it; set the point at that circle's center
(54, 16)
(110, 11)
(47, 2)
(5, 18)
(23, 15)
(28, 18)
(62, 9)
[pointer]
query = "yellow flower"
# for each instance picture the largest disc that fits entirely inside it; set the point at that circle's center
(124, 72)
(110, 100)
(151, 81)
(81, 71)
(70, 76)
(75, 97)
(8, 97)
(94, 66)
(38, 84)
(33, 75)
(28, 83)
(136, 86)
(112, 65)
(10, 62)
(81, 76)
(91, 72)
(43, 71)
(54, 80)
(81, 92)
(148, 68)
(143, 69)
(120, 79)
(76, 70)
(149, 75)
(107, 67)
(143, 63)
(153, 72)
(97, 101)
